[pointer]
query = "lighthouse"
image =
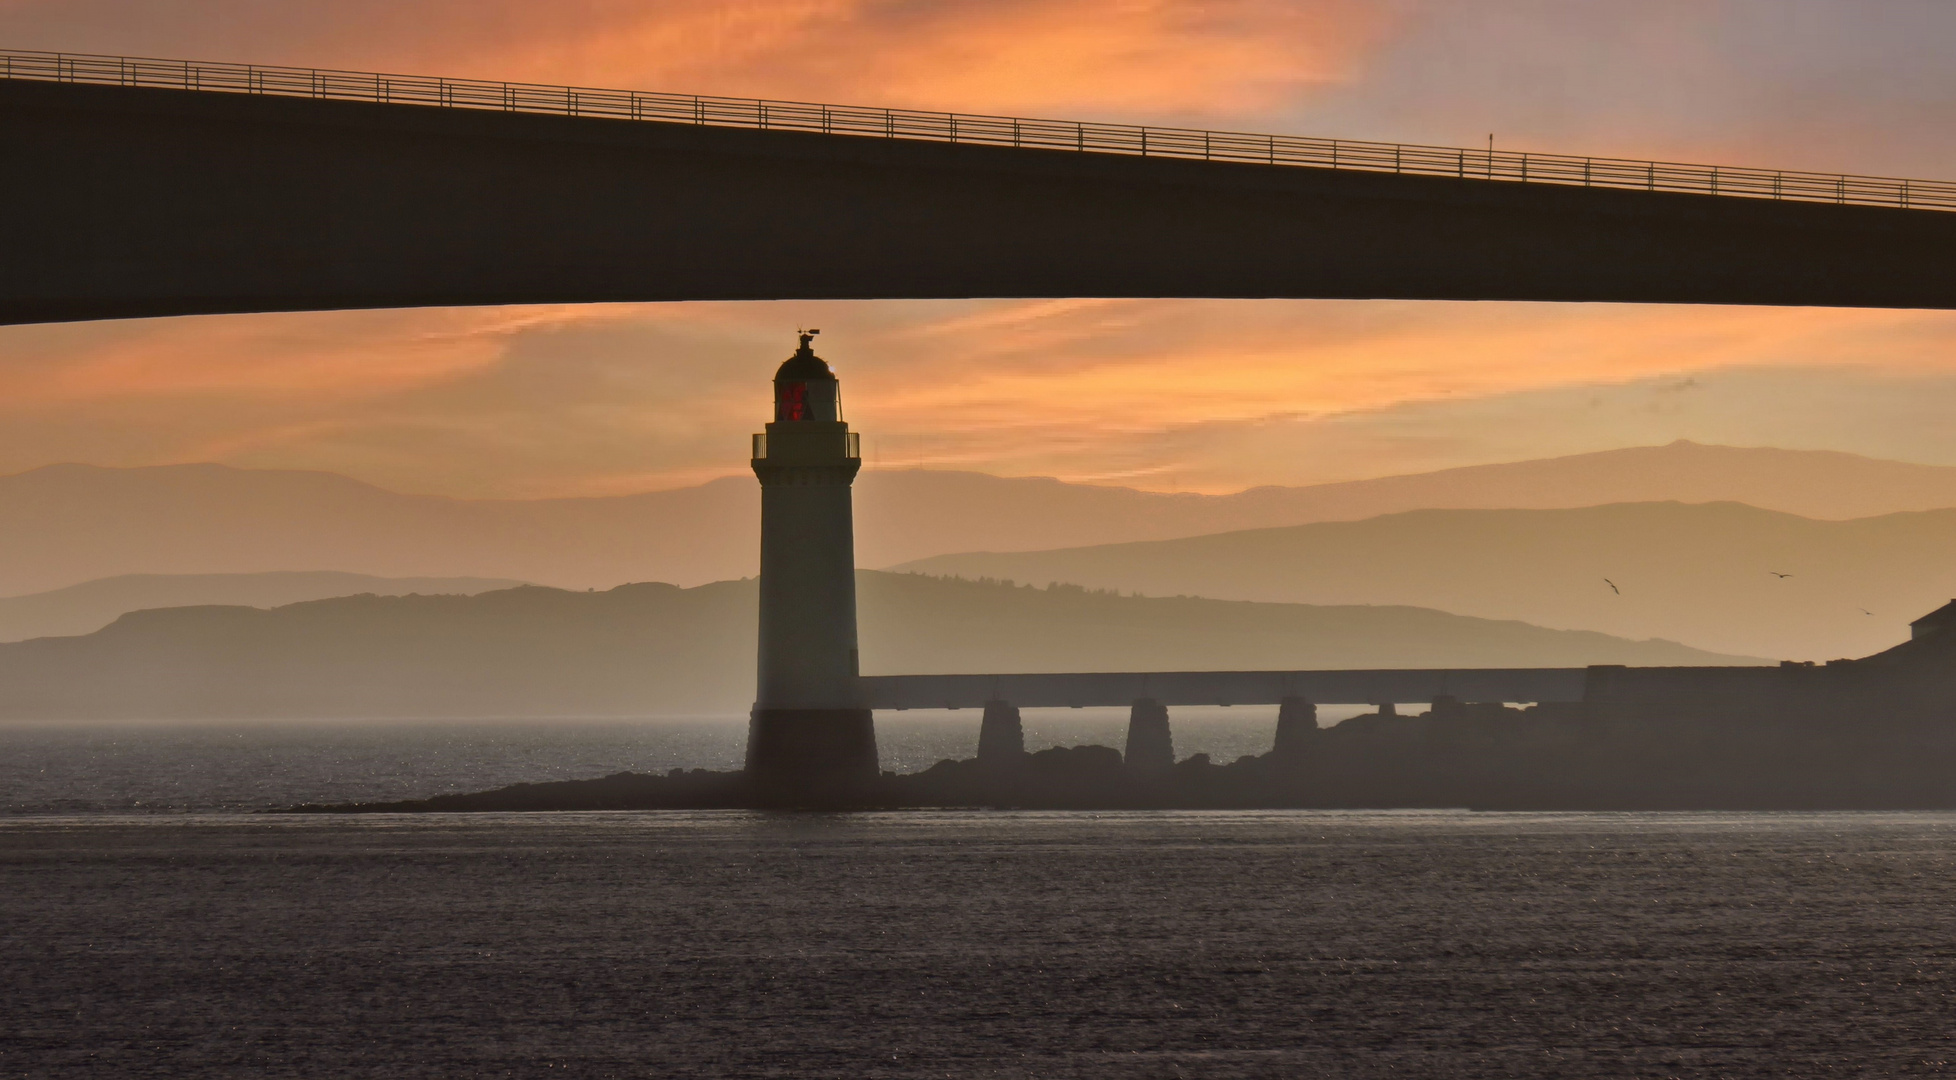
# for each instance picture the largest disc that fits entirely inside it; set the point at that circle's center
(810, 737)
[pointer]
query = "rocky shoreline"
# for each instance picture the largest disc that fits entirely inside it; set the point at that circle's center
(1488, 758)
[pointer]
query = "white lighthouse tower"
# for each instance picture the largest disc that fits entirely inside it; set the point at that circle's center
(810, 737)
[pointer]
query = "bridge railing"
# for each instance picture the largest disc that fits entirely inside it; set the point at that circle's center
(1082, 137)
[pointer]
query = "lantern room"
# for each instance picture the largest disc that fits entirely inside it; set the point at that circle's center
(805, 388)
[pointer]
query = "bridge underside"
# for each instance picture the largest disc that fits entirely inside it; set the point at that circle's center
(143, 202)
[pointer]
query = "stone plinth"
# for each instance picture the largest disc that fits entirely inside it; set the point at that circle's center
(812, 757)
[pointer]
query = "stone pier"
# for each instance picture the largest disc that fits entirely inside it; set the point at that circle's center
(1297, 724)
(1001, 737)
(1150, 747)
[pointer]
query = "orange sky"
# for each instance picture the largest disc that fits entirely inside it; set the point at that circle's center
(1168, 394)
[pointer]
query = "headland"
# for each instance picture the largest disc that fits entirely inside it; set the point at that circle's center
(1478, 757)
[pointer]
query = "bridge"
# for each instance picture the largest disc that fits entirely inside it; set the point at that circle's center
(140, 187)
(1149, 695)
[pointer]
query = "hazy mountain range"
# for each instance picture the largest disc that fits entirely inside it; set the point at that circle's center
(67, 524)
(85, 608)
(650, 649)
(1703, 574)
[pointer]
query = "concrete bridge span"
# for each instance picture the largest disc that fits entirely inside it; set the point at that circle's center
(138, 200)
(1604, 691)
(1356, 687)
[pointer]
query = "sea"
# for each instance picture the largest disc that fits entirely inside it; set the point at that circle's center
(177, 766)
(153, 923)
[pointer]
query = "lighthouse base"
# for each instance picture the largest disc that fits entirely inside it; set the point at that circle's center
(812, 757)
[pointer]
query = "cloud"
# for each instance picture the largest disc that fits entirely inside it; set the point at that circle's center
(1164, 57)
(1206, 395)
(1837, 85)
(343, 356)
(1210, 395)
(1827, 85)
(1215, 396)
(1115, 364)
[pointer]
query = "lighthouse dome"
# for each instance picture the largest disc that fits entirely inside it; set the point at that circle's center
(805, 388)
(804, 365)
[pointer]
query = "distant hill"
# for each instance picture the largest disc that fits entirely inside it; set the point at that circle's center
(66, 524)
(88, 607)
(651, 648)
(1698, 574)
(1818, 484)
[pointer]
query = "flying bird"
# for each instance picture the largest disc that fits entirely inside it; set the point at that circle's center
(1612, 586)
(1777, 574)
(1865, 611)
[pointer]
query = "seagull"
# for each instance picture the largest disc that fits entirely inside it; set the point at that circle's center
(1612, 586)
(1865, 611)
(1777, 574)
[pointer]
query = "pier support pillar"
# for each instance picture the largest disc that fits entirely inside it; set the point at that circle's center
(1150, 747)
(1001, 738)
(1387, 708)
(1297, 724)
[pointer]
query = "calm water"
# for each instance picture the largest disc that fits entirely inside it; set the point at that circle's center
(978, 944)
(171, 766)
(148, 927)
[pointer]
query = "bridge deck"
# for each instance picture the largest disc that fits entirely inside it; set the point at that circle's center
(130, 199)
(1079, 690)
(977, 129)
